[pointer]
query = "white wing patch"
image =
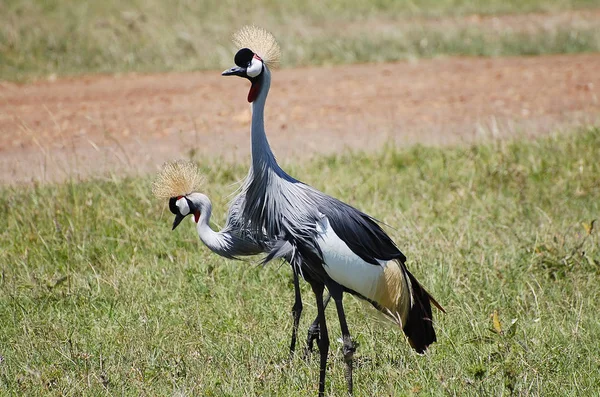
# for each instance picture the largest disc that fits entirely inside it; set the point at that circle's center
(344, 266)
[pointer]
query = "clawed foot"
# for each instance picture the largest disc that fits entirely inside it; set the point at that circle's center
(348, 349)
(313, 336)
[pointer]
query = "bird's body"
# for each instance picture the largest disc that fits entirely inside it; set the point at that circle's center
(178, 181)
(330, 243)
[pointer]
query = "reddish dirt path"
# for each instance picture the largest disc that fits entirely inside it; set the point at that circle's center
(132, 123)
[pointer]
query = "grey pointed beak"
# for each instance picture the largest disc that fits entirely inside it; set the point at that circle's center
(177, 221)
(234, 71)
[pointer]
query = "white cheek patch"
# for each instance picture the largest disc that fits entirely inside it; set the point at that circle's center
(183, 206)
(255, 68)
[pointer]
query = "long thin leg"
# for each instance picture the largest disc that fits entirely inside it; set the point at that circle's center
(296, 312)
(324, 337)
(348, 347)
(313, 331)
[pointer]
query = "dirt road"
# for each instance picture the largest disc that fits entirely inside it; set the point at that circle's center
(132, 123)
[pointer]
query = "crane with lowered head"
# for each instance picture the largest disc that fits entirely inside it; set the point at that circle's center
(178, 182)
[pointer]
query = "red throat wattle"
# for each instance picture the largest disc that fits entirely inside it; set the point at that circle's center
(197, 216)
(253, 93)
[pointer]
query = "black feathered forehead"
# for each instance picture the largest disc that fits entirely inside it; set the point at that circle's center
(173, 205)
(243, 57)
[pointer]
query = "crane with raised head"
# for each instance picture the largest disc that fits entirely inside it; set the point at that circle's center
(328, 242)
(178, 182)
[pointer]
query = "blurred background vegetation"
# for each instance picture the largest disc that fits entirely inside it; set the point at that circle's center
(41, 38)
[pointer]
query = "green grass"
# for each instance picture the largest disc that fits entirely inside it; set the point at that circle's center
(99, 297)
(51, 37)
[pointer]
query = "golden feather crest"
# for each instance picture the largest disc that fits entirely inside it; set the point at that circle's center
(176, 178)
(261, 42)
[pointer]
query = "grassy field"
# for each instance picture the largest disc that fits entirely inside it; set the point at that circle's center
(39, 38)
(99, 297)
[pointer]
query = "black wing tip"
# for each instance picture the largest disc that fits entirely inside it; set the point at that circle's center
(420, 334)
(419, 326)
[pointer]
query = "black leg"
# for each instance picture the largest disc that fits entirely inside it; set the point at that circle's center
(324, 337)
(348, 347)
(313, 331)
(296, 312)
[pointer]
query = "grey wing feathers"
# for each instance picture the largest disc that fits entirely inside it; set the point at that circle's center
(241, 241)
(283, 205)
(234, 212)
(242, 247)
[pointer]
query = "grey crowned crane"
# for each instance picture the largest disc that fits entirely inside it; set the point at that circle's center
(178, 182)
(330, 243)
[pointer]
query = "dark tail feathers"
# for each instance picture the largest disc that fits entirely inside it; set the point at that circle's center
(419, 326)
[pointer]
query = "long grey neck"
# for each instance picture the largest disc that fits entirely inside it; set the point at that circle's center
(261, 151)
(215, 241)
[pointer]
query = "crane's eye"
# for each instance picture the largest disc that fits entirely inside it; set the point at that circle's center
(254, 68)
(182, 205)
